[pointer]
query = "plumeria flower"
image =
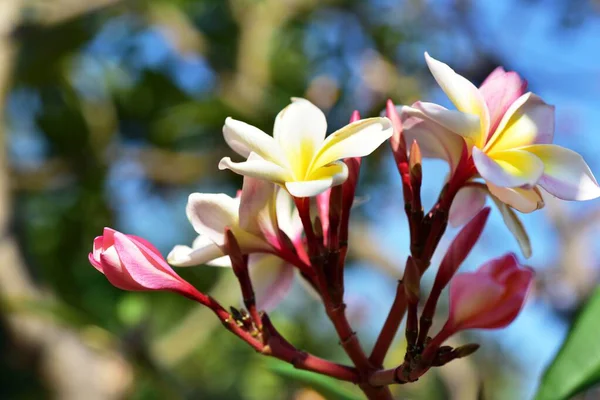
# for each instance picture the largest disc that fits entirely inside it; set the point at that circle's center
(490, 297)
(254, 217)
(508, 134)
(132, 263)
(298, 157)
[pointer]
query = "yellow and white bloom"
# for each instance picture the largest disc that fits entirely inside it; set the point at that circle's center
(254, 218)
(298, 157)
(509, 137)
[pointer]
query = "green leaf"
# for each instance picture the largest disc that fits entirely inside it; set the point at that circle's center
(329, 387)
(576, 367)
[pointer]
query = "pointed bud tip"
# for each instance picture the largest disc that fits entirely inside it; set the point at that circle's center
(466, 350)
(415, 154)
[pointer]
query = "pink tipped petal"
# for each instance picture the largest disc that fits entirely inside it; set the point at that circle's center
(529, 120)
(465, 96)
(271, 278)
(523, 200)
(512, 168)
(463, 124)
(467, 203)
(515, 226)
(566, 174)
(501, 89)
(150, 274)
(254, 213)
(434, 140)
(210, 214)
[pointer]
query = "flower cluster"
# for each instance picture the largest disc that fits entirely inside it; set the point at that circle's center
(291, 220)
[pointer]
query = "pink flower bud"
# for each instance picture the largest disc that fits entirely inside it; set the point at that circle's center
(132, 263)
(489, 298)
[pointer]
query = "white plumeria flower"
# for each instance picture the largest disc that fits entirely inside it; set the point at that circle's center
(254, 218)
(298, 156)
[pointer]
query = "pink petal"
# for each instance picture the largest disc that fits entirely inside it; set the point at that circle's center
(254, 215)
(501, 89)
(496, 266)
(95, 263)
(148, 273)
(323, 210)
(523, 200)
(115, 272)
(467, 203)
(566, 174)
(471, 294)
(434, 140)
(108, 238)
(271, 278)
(529, 120)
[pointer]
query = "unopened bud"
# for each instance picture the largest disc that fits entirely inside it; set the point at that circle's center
(238, 261)
(415, 155)
(415, 164)
(466, 350)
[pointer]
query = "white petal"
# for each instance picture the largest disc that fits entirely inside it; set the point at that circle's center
(321, 179)
(434, 140)
(245, 139)
(308, 188)
(465, 96)
(185, 256)
(258, 168)
(527, 121)
(211, 213)
(523, 200)
(515, 226)
(288, 218)
(300, 129)
(256, 205)
(357, 139)
(566, 175)
(271, 279)
(464, 124)
(468, 202)
(509, 168)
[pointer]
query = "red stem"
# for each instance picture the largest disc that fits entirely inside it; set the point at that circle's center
(390, 327)
(336, 312)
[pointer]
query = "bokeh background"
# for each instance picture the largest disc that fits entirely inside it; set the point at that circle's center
(112, 115)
